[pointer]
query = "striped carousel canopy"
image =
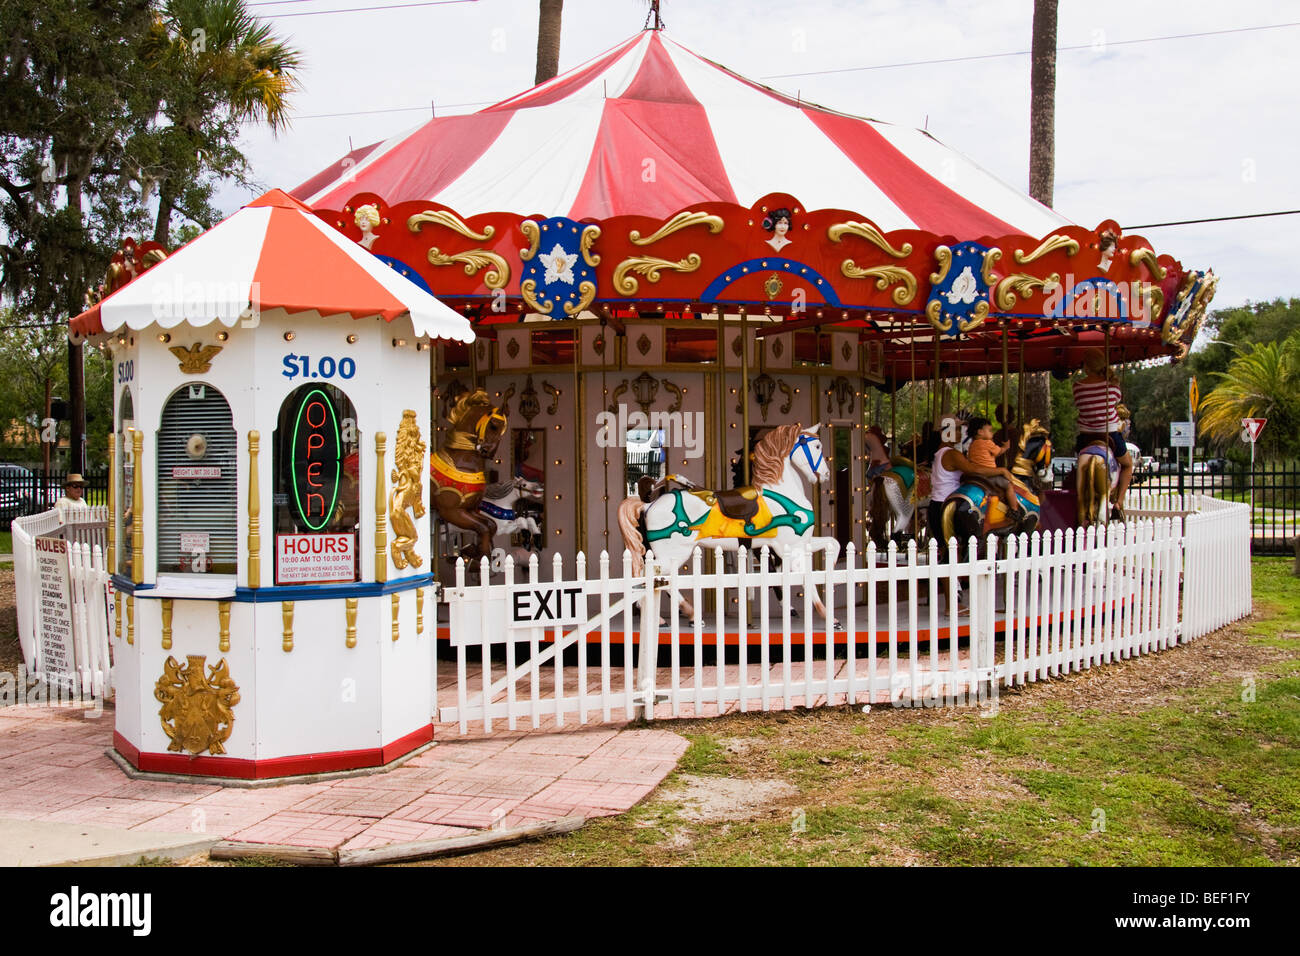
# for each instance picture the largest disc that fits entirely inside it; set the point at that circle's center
(650, 127)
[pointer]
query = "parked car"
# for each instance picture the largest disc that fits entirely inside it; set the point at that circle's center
(21, 493)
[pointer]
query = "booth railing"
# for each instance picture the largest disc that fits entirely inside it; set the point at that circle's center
(85, 529)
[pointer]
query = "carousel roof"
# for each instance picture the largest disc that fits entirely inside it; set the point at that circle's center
(651, 127)
(272, 253)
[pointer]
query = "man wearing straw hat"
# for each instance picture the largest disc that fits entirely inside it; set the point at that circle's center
(74, 493)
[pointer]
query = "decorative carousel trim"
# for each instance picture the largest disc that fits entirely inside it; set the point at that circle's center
(533, 233)
(286, 618)
(130, 619)
(943, 256)
(683, 220)
(381, 505)
(496, 277)
(397, 603)
(934, 312)
(528, 289)
(419, 610)
(254, 514)
(589, 236)
(869, 232)
(350, 622)
(991, 258)
(197, 359)
(1048, 245)
(167, 608)
(650, 267)
(112, 508)
(885, 276)
(448, 220)
(1020, 284)
(1147, 257)
(223, 626)
(137, 512)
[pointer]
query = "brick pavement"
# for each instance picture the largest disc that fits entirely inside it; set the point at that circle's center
(53, 768)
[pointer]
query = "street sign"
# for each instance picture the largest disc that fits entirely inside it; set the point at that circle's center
(1181, 435)
(1251, 427)
(1193, 396)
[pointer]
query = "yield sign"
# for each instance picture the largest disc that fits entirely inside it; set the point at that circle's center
(1251, 427)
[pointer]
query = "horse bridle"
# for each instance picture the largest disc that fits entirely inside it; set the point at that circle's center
(803, 442)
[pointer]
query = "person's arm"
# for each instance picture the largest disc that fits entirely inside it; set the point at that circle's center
(967, 467)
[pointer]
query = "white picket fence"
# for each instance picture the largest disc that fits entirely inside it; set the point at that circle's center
(85, 530)
(1044, 605)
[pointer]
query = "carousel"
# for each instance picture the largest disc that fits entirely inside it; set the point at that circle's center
(647, 305)
(644, 306)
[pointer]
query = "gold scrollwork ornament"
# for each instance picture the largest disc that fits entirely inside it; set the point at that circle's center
(449, 220)
(650, 267)
(885, 276)
(682, 220)
(197, 712)
(1048, 245)
(1020, 284)
(869, 232)
(473, 260)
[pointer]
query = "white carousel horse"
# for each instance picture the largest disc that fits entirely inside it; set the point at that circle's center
(777, 512)
(893, 491)
(498, 503)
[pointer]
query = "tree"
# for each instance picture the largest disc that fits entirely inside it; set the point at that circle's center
(1042, 158)
(548, 39)
(1261, 383)
(220, 67)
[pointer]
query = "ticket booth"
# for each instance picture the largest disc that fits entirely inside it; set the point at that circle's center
(275, 611)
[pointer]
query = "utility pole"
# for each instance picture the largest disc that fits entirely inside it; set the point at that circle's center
(76, 407)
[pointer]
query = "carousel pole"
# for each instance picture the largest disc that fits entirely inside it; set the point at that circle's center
(1005, 410)
(604, 401)
(723, 469)
(744, 390)
(580, 447)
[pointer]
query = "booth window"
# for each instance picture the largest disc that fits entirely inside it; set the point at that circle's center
(317, 511)
(125, 478)
(197, 488)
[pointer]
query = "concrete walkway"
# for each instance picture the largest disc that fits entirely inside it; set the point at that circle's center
(64, 801)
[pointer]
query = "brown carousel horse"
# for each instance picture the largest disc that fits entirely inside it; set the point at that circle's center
(457, 473)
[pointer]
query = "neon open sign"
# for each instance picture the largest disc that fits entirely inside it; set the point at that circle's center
(315, 459)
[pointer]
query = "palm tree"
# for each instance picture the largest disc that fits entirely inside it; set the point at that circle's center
(223, 67)
(1261, 383)
(1042, 159)
(548, 39)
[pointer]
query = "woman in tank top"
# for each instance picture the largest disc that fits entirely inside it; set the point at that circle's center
(946, 473)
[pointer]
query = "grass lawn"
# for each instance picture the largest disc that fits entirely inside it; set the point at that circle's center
(1190, 757)
(6, 542)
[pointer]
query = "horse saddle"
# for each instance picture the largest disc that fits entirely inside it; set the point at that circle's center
(648, 489)
(738, 503)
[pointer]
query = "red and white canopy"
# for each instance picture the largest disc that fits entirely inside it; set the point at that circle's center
(650, 127)
(273, 253)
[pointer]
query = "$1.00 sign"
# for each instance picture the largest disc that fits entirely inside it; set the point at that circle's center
(324, 367)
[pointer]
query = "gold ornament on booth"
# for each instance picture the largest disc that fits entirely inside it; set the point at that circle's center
(408, 492)
(197, 711)
(197, 359)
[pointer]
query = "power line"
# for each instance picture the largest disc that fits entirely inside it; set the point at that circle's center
(1060, 49)
(1188, 222)
(395, 109)
(389, 6)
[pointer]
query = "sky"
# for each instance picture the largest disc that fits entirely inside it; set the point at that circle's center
(1147, 132)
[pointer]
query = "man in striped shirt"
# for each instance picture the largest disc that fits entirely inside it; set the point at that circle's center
(1097, 398)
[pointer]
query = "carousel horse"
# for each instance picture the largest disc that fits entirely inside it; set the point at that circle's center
(1096, 475)
(777, 510)
(976, 510)
(896, 494)
(1096, 472)
(499, 504)
(457, 473)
